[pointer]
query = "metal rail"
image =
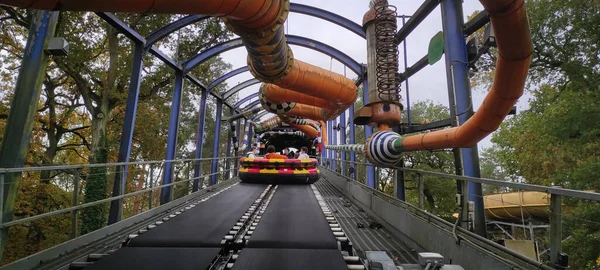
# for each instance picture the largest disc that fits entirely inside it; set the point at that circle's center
(96, 165)
(546, 189)
(86, 205)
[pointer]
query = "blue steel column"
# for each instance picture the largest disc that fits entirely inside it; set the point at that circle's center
(217, 141)
(352, 140)
(330, 141)
(368, 132)
(228, 149)
(456, 71)
(240, 140)
(343, 141)
(116, 206)
(199, 140)
(23, 109)
(165, 195)
(334, 134)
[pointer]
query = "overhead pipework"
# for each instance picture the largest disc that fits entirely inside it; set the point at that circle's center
(509, 19)
(383, 108)
(270, 60)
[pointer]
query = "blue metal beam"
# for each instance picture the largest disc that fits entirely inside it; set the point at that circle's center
(230, 130)
(251, 105)
(335, 142)
(258, 116)
(240, 87)
(244, 100)
(343, 141)
(368, 131)
(121, 26)
(329, 16)
(172, 27)
(23, 109)
(165, 196)
(227, 76)
(116, 206)
(293, 40)
(352, 139)
(200, 140)
(456, 72)
(422, 12)
(216, 143)
(135, 36)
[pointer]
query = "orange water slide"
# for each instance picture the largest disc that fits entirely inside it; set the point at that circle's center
(515, 48)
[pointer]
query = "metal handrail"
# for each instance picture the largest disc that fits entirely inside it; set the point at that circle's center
(86, 205)
(546, 189)
(96, 165)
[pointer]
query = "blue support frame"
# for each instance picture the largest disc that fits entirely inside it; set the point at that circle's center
(335, 142)
(352, 139)
(240, 87)
(165, 195)
(227, 76)
(330, 141)
(251, 105)
(329, 16)
(24, 106)
(228, 149)
(244, 100)
(368, 131)
(343, 141)
(456, 55)
(259, 115)
(172, 27)
(200, 140)
(217, 140)
(116, 206)
(291, 39)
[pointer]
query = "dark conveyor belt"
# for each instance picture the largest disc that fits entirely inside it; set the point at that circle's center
(289, 259)
(148, 258)
(293, 220)
(204, 225)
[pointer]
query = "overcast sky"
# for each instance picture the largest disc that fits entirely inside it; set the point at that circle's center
(430, 83)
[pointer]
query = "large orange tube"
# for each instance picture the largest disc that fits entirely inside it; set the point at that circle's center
(277, 94)
(256, 13)
(331, 92)
(515, 48)
(310, 132)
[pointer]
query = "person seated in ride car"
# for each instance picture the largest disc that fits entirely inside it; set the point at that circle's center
(253, 152)
(303, 153)
(271, 153)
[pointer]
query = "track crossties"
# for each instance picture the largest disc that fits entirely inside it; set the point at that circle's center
(363, 239)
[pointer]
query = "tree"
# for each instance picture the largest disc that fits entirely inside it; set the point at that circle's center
(81, 111)
(439, 192)
(554, 142)
(566, 43)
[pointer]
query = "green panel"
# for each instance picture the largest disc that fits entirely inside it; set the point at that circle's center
(436, 48)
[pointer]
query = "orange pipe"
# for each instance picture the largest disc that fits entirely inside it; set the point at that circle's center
(310, 132)
(254, 13)
(324, 134)
(514, 49)
(276, 94)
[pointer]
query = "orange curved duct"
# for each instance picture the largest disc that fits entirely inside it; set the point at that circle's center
(515, 48)
(328, 93)
(310, 131)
